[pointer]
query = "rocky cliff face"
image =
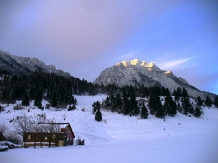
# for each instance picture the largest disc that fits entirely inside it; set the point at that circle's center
(138, 72)
(24, 65)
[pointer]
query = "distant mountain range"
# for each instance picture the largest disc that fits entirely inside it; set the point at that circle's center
(133, 72)
(12, 64)
(138, 72)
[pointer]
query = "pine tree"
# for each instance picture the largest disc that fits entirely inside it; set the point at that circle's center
(73, 107)
(125, 103)
(167, 92)
(25, 99)
(208, 101)
(4, 94)
(54, 100)
(48, 93)
(40, 103)
(186, 105)
(160, 112)
(216, 101)
(199, 101)
(173, 109)
(151, 105)
(136, 110)
(133, 104)
(98, 105)
(75, 101)
(191, 110)
(112, 102)
(197, 112)
(170, 106)
(167, 104)
(125, 106)
(144, 112)
(179, 107)
(174, 92)
(36, 100)
(184, 92)
(107, 102)
(98, 116)
(118, 102)
(179, 92)
(94, 107)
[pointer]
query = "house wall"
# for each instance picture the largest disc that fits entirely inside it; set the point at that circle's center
(46, 139)
(42, 139)
(63, 138)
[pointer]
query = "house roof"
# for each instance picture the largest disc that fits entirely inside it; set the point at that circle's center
(69, 134)
(71, 131)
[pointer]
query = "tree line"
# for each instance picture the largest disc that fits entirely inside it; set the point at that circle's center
(59, 92)
(158, 102)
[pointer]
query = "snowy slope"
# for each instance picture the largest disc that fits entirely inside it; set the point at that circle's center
(124, 139)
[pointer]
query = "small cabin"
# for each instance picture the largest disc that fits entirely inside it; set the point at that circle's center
(63, 137)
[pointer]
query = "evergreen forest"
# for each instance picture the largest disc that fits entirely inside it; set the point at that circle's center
(128, 100)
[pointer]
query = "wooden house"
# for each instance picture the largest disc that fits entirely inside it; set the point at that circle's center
(51, 139)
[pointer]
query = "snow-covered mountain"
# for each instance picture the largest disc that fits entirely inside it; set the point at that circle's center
(22, 65)
(138, 72)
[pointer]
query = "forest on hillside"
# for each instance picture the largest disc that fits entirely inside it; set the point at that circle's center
(59, 92)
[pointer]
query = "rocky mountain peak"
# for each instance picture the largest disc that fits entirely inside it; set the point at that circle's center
(139, 64)
(136, 72)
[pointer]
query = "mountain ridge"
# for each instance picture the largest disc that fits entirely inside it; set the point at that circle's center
(137, 72)
(13, 64)
(134, 72)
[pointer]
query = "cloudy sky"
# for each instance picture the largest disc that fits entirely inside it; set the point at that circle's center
(83, 37)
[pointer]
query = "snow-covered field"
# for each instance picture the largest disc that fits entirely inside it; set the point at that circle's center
(124, 139)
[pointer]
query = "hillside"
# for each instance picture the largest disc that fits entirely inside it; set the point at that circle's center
(120, 138)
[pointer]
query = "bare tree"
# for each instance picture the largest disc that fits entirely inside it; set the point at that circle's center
(23, 124)
(13, 137)
(50, 126)
(10, 135)
(3, 128)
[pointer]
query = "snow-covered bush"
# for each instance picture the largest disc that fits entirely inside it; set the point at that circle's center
(18, 107)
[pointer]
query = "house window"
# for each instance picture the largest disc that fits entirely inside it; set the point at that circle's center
(54, 136)
(29, 137)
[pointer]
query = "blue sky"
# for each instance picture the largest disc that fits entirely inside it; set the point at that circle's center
(85, 37)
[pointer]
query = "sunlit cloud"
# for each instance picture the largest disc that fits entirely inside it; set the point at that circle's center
(174, 64)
